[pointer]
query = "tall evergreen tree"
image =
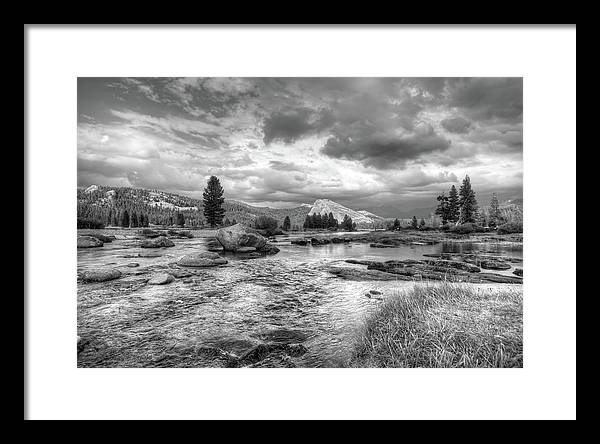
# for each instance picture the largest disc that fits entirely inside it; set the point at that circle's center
(396, 224)
(443, 208)
(286, 223)
(134, 219)
(453, 205)
(125, 219)
(422, 223)
(307, 222)
(467, 202)
(180, 219)
(213, 202)
(347, 223)
(415, 223)
(495, 216)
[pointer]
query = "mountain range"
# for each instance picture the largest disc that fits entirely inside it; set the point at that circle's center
(103, 203)
(100, 202)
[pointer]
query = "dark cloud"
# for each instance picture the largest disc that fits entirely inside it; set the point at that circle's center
(489, 97)
(384, 151)
(458, 125)
(291, 125)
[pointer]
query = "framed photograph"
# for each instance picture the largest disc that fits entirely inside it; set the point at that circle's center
(331, 213)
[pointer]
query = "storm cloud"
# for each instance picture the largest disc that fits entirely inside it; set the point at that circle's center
(385, 151)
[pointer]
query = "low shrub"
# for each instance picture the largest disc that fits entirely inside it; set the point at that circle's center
(510, 227)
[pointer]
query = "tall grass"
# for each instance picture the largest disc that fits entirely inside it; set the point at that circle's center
(444, 325)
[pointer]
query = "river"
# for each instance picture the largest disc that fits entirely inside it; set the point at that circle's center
(232, 307)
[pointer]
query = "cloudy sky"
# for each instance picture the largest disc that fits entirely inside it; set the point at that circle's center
(386, 145)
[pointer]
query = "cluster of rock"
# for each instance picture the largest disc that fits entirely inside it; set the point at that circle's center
(417, 270)
(157, 242)
(314, 241)
(151, 233)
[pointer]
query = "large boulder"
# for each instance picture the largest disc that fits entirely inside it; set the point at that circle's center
(158, 242)
(101, 275)
(238, 235)
(88, 242)
(203, 259)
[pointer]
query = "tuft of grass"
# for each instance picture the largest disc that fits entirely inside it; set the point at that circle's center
(444, 325)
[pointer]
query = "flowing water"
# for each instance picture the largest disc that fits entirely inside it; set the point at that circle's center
(233, 306)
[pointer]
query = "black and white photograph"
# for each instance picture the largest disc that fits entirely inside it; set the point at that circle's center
(300, 222)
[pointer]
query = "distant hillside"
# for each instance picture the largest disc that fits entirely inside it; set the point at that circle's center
(106, 203)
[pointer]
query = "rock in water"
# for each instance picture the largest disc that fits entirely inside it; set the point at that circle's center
(103, 237)
(88, 242)
(203, 259)
(149, 232)
(161, 279)
(270, 249)
(518, 272)
(159, 242)
(101, 275)
(237, 236)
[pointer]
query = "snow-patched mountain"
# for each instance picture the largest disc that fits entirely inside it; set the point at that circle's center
(326, 206)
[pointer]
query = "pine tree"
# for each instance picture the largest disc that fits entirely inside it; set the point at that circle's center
(347, 223)
(180, 219)
(134, 219)
(286, 223)
(414, 223)
(307, 222)
(213, 202)
(495, 217)
(443, 207)
(125, 219)
(453, 205)
(422, 223)
(467, 202)
(396, 224)
(331, 222)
